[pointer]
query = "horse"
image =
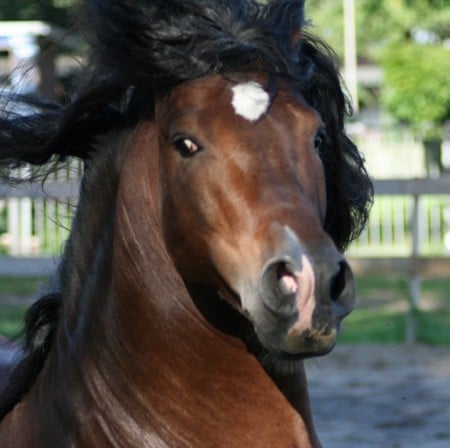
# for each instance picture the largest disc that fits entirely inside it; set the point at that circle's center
(205, 259)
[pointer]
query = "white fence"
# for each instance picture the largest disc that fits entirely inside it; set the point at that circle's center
(35, 218)
(409, 216)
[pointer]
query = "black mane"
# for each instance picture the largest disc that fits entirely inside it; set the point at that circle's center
(161, 44)
(141, 49)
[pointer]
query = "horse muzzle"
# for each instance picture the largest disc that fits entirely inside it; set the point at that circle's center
(302, 297)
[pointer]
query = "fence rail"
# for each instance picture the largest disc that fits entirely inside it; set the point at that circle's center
(425, 267)
(413, 187)
(53, 189)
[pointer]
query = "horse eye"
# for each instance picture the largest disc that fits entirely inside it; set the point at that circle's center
(318, 139)
(186, 147)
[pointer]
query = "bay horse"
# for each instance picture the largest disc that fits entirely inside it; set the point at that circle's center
(205, 258)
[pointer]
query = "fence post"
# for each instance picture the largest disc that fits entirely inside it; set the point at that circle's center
(20, 226)
(414, 281)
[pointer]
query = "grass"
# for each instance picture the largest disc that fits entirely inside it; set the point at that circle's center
(20, 286)
(433, 327)
(11, 319)
(381, 312)
(367, 326)
(14, 295)
(382, 326)
(379, 317)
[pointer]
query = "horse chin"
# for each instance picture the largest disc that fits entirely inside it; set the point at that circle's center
(285, 363)
(281, 355)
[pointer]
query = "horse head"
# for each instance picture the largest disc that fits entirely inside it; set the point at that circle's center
(262, 190)
(244, 206)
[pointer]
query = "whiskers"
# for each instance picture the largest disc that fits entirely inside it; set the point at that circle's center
(272, 361)
(281, 364)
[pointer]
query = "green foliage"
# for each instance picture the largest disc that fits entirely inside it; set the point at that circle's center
(326, 21)
(382, 24)
(417, 83)
(378, 22)
(58, 12)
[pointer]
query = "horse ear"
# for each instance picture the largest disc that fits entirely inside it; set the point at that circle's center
(298, 22)
(289, 16)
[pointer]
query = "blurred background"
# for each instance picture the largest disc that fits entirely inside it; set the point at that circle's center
(395, 62)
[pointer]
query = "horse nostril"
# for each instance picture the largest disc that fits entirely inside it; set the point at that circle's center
(287, 282)
(279, 284)
(339, 282)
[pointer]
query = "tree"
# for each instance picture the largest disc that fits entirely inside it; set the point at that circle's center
(406, 37)
(417, 83)
(58, 12)
(378, 22)
(417, 91)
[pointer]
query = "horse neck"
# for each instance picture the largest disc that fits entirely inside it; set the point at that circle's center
(139, 354)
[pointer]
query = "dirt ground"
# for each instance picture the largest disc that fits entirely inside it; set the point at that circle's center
(382, 396)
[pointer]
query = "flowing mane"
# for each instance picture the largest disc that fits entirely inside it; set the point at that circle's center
(140, 52)
(189, 40)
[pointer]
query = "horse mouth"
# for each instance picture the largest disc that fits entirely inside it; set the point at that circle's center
(311, 342)
(276, 330)
(276, 359)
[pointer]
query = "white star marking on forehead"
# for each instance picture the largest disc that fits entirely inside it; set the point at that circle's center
(250, 100)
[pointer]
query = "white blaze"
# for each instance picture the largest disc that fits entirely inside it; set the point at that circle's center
(250, 100)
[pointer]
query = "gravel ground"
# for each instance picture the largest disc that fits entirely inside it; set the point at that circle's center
(382, 396)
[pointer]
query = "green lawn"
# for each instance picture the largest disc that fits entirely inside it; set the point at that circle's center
(20, 286)
(15, 294)
(380, 314)
(381, 326)
(11, 319)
